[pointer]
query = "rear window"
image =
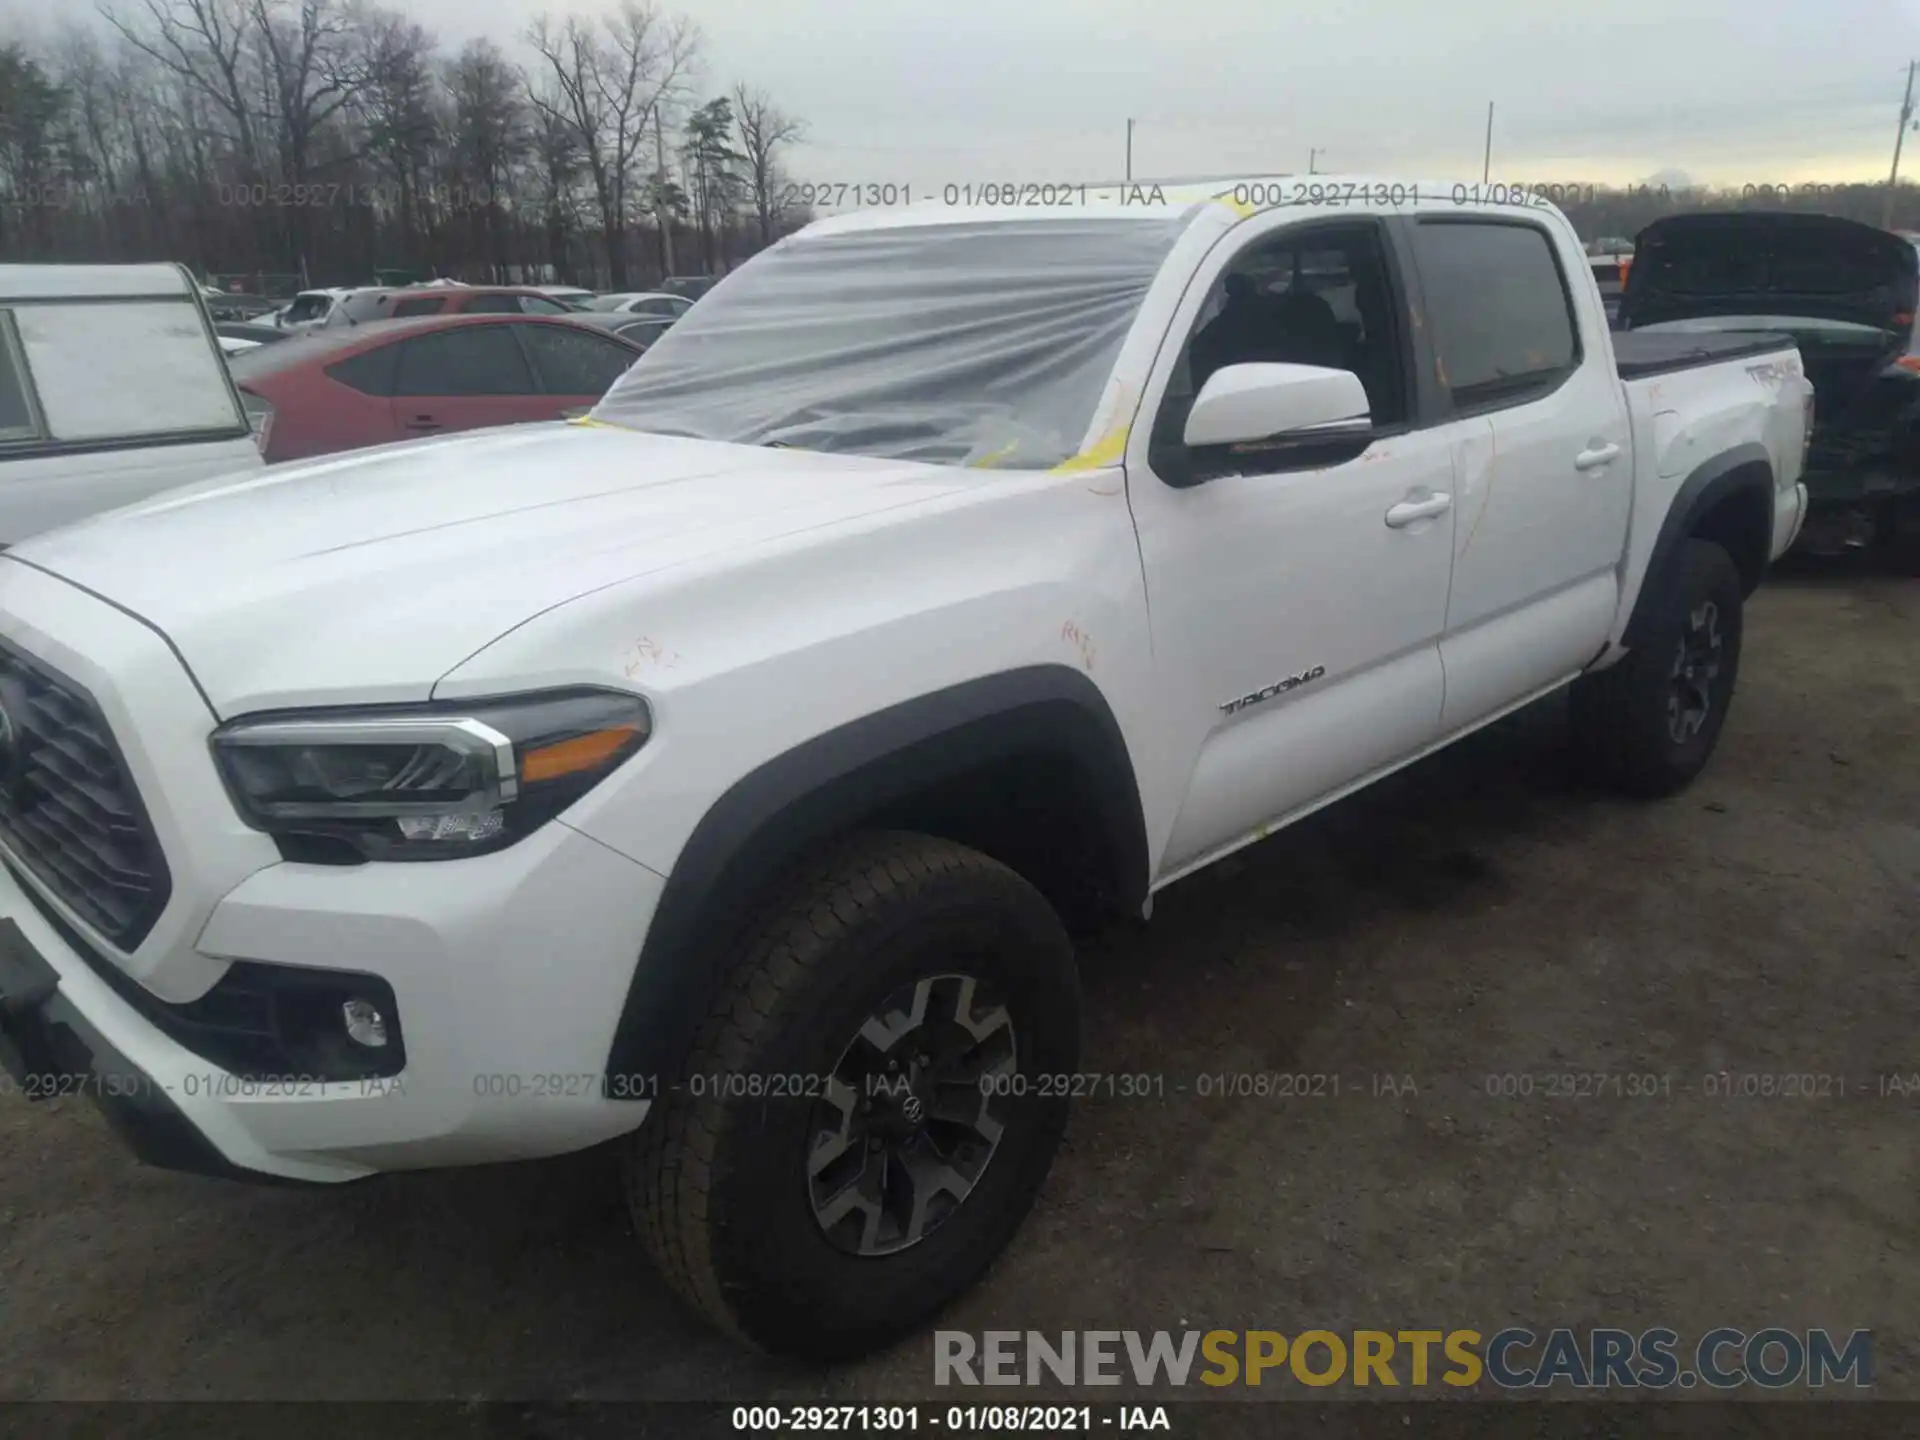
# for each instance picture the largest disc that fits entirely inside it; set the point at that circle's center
(370, 372)
(125, 369)
(1500, 312)
(18, 418)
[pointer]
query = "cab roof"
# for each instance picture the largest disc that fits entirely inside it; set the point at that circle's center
(93, 282)
(1116, 200)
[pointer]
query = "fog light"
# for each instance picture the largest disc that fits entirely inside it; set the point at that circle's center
(469, 829)
(365, 1025)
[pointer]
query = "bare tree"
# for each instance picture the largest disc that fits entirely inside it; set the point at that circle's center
(311, 73)
(713, 176)
(184, 130)
(395, 105)
(204, 43)
(555, 169)
(764, 131)
(605, 83)
(488, 140)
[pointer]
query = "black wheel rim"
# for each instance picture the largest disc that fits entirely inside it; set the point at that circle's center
(911, 1115)
(1695, 675)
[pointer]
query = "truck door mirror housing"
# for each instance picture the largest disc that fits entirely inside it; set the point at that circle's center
(1247, 404)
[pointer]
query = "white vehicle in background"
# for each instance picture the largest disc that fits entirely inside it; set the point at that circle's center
(317, 309)
(726, 774)
(112, 388)
(643, 302)
(572, 296)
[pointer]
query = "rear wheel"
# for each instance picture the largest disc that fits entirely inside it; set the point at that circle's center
(1649, 724)
(1896, 533)
(861, 1129)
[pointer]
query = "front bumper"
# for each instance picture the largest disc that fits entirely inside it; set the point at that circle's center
(508, 971)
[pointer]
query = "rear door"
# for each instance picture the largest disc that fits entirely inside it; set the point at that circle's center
(575, 367)
(1543, 519)
(464, 378)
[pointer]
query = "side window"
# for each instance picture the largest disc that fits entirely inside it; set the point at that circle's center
(19, 418)
(1499, 310)
(370, 372)
(1324, 298)
(493, 305)
(571, 362)
(540, 305)
(470, 360)
(654, 307)
(419, 305)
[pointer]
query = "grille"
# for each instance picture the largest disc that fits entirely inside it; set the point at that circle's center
(69, 811)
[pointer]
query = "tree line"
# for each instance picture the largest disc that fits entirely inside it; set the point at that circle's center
(333, 142)
(327, 142)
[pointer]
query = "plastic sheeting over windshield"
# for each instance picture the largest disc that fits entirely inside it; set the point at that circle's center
(963, 344)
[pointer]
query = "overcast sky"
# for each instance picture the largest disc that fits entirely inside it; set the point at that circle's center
(924, 93)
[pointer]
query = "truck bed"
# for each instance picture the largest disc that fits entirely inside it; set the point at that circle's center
(1640, 353)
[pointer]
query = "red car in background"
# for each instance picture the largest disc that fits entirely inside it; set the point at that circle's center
(332, 390)
(414, 301)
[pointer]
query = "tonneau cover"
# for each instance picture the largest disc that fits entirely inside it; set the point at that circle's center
(1639, 353)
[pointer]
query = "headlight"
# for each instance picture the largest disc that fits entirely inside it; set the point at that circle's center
(425, 782)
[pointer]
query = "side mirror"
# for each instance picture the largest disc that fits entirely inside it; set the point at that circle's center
(1243, 404)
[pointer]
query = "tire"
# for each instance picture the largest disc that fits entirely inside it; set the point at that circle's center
(720, 1178)
(1896, 534)
(1640, 727)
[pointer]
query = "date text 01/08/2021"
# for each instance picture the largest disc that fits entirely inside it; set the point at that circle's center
(962, 1419)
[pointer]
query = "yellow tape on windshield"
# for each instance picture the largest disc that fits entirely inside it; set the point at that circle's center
(994, 457)
(1105, 451)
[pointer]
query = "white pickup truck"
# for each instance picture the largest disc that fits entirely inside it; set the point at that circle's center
(112, 389)
(722, 776)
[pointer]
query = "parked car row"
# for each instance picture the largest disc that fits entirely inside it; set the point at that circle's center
(354, 305)
(345, 389)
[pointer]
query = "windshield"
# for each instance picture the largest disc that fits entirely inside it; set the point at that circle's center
(956, 344)
(308, 307)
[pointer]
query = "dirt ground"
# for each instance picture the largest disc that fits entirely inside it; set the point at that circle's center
(1482, 915)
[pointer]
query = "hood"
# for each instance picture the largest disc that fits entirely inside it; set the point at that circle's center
(1810, 267)
(365, 577)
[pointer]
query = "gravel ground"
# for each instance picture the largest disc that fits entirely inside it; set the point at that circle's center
(1482, 915)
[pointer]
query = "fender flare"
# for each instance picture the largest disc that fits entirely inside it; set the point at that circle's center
(767, 819)
(1727, 474)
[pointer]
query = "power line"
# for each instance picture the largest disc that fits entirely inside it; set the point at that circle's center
(1893, 176)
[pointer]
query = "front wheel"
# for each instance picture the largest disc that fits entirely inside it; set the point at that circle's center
(1648, 724)
(863, 1126)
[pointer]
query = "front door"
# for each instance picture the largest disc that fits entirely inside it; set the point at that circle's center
(1297, 594)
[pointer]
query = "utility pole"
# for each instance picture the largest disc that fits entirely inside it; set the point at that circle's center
(662, 211)
(1486, 159)
(1129, 149)
(1893, 178)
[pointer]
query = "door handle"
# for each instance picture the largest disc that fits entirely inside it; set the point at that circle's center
(1409, 511)
(1593, 459)
(423, 422)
